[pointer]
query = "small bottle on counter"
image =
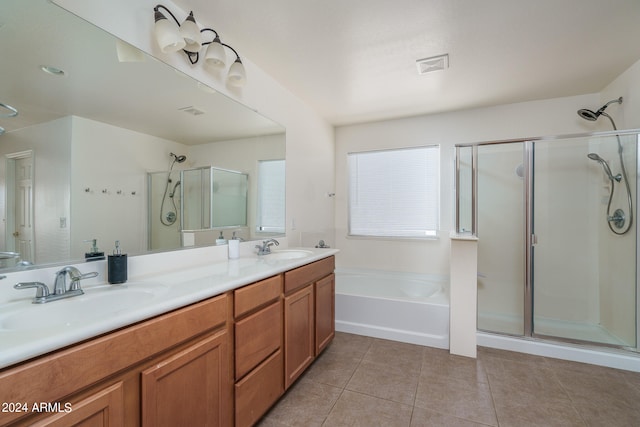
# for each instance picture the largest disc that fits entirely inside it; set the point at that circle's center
(221, 240)
(234, 247)
(117, 266)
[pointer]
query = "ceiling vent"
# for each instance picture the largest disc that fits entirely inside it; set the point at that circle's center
(191, 110)
(434, 63)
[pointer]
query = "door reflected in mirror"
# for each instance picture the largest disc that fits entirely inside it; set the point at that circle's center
(97, 131)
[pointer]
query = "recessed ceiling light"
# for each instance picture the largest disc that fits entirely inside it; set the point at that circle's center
(434, 63)
(52, 70)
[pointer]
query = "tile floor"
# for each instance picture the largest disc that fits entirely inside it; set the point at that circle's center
(362, 381)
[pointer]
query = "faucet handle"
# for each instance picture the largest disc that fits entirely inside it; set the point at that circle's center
(75, 280)
(42, 289)
(76, 276)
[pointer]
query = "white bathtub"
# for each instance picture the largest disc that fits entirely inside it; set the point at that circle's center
(397, 306)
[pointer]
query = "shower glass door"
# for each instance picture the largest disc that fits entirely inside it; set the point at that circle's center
(501, 238)
(583, 254)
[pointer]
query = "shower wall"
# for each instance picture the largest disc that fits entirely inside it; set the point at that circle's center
(617, 253)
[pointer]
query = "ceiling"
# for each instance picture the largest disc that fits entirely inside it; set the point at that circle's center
(355, 61)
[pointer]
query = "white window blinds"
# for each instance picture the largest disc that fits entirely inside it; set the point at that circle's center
(271, 196)
(394, 193)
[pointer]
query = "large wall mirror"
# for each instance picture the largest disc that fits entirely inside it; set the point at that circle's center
(108, 142)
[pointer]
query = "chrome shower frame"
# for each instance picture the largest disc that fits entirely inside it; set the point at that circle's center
(529, 237)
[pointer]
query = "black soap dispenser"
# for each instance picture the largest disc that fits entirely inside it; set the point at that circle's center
(117, 266)
(94, 254)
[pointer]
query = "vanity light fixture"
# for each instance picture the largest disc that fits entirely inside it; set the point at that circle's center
(173, 37)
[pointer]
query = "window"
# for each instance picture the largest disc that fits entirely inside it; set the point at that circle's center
(271, 201)
(394, 193)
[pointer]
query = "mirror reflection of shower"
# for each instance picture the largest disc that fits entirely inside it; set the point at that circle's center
(618, 218)
(169, 217)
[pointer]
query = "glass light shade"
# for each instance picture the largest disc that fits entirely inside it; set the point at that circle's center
(215, 56)
(237, 76)
(191, 34)
(168, 35)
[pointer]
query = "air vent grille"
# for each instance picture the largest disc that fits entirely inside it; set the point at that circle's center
(191, 110)
(434, 63)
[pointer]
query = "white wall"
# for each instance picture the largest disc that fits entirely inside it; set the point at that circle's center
(112, 159)
(549, 117)
(310, 149)
(51, 145)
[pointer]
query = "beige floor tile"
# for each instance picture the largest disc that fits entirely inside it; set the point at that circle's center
(355, 346)
(307, 403)
(599, 391)
(401, 355)
(426, 418)
(359, 410)
(440, 362)
(333, 368)
(361, 381)
(598, 415)
(524, 382)
(385, 382)
(465, 399)
(541, 412)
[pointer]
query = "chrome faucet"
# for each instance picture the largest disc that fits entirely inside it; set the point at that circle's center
(60, 289)
(265, 249)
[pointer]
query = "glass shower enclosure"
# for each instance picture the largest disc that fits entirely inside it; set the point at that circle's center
(557, 236)
(205, 198)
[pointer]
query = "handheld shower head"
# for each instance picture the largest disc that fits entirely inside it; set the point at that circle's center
(592, 116)
(173, 192)
(605, 166)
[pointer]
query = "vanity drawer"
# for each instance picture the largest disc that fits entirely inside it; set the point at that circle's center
(253, 296)
(259, 390)
(299, 277)
(258, 336)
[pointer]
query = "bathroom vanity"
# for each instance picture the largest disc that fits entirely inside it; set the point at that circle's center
(224, 359)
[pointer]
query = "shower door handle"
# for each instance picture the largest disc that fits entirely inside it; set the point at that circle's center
(534, 240)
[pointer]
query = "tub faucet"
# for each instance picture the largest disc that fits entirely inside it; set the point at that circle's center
(265, 249)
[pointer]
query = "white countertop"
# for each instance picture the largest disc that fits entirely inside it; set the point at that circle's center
(46, 330)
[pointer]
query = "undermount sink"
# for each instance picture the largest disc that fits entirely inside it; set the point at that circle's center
(85, 308)
(284, 254)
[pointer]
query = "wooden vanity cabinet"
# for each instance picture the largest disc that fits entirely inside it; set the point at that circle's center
(308, 315)
(227, 358)
(149, 374)
(258, 349)
(325, 291)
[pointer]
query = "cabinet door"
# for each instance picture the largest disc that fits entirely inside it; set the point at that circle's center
(102, 409)
(298, 333)
(190, 388)
(325, 312)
